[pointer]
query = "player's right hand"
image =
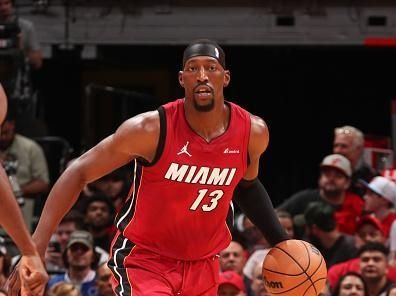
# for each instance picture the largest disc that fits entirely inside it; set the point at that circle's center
(33, 275)
(29, 277)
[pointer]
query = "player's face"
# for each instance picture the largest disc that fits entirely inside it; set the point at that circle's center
(203, 80)
(351, 286)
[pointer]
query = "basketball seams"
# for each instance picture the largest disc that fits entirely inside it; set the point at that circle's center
(319, 265)
(297, 263)
(309, 280)
(309, 263)
(314, 286)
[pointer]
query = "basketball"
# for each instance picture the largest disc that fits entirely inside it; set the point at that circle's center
(294, 267)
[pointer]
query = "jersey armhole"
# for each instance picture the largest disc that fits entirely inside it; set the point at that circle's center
(161, 141)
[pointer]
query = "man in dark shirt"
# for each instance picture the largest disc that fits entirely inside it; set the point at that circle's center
(321, 230)
(334, 181)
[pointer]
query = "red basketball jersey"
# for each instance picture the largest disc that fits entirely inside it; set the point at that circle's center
(180, 201)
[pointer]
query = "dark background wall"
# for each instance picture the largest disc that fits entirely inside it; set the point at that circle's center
(302, 92)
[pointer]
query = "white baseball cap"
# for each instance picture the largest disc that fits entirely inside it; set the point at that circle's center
(383, 187)
(339, 162)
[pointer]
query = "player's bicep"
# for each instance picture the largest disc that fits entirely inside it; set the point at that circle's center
(100, 160)
(136, 137)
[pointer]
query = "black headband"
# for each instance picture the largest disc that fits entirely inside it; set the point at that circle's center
(204, 48)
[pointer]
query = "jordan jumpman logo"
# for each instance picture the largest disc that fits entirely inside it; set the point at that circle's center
(184, 150)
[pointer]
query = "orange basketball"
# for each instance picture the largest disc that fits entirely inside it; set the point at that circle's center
(294, 267)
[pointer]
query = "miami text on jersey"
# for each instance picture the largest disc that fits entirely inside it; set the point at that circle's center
(202, 175)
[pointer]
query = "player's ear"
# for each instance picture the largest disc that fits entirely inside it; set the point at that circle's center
(181, 78)
(227, 78)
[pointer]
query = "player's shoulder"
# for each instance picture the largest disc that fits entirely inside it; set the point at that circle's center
(258, 125)
(139, 134)
(145, 122)
(259, 135)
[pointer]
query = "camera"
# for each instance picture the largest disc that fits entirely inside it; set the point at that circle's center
(56, 247)
(10, 166)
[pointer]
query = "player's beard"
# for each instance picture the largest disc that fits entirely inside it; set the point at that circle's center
(204, 108)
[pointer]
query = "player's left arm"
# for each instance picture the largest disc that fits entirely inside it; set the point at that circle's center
(250, 194)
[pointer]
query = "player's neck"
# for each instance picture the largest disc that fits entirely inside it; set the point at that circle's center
(208, 125)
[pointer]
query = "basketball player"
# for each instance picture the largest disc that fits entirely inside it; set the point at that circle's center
(32, 272)
(190, 155)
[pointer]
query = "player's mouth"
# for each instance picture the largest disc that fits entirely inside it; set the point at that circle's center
(203, 92)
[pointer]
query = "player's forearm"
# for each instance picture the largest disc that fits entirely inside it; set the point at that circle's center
(253, 200)
(63, 195)
(11, 218)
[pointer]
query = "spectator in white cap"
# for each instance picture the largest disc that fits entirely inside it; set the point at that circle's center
(380, 198)
(333, 184)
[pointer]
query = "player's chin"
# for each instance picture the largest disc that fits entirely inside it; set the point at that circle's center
(204, 104)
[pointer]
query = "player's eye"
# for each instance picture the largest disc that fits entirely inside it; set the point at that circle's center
(212, 68)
